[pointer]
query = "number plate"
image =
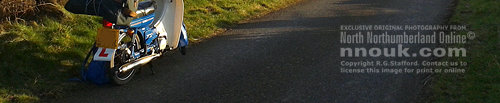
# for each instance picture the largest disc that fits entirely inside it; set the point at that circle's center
(107, 38)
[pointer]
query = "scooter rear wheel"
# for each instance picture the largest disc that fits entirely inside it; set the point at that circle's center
(122, 57)
(121, 78)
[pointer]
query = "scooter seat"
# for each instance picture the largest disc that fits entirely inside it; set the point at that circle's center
(145, 8)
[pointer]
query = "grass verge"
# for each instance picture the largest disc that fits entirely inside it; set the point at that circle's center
(481, 82)
(38, 57)
(206, 17)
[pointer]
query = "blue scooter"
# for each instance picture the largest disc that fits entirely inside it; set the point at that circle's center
(119, 50)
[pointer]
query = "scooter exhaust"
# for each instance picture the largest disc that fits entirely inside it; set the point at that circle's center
(141, 61)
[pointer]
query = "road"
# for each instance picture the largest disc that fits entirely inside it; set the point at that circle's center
(291, 55)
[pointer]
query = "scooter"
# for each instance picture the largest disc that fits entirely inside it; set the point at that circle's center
(119, 50)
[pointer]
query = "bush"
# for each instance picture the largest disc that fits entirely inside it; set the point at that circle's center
(17, 8)
(30, 9)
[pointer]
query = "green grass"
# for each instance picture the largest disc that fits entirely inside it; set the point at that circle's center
(481, 82)
(206, 17)
(38, 57)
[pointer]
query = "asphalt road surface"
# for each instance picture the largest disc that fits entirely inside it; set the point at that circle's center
(292, 55)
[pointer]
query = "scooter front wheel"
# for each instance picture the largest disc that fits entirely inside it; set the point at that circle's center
(183, 50)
